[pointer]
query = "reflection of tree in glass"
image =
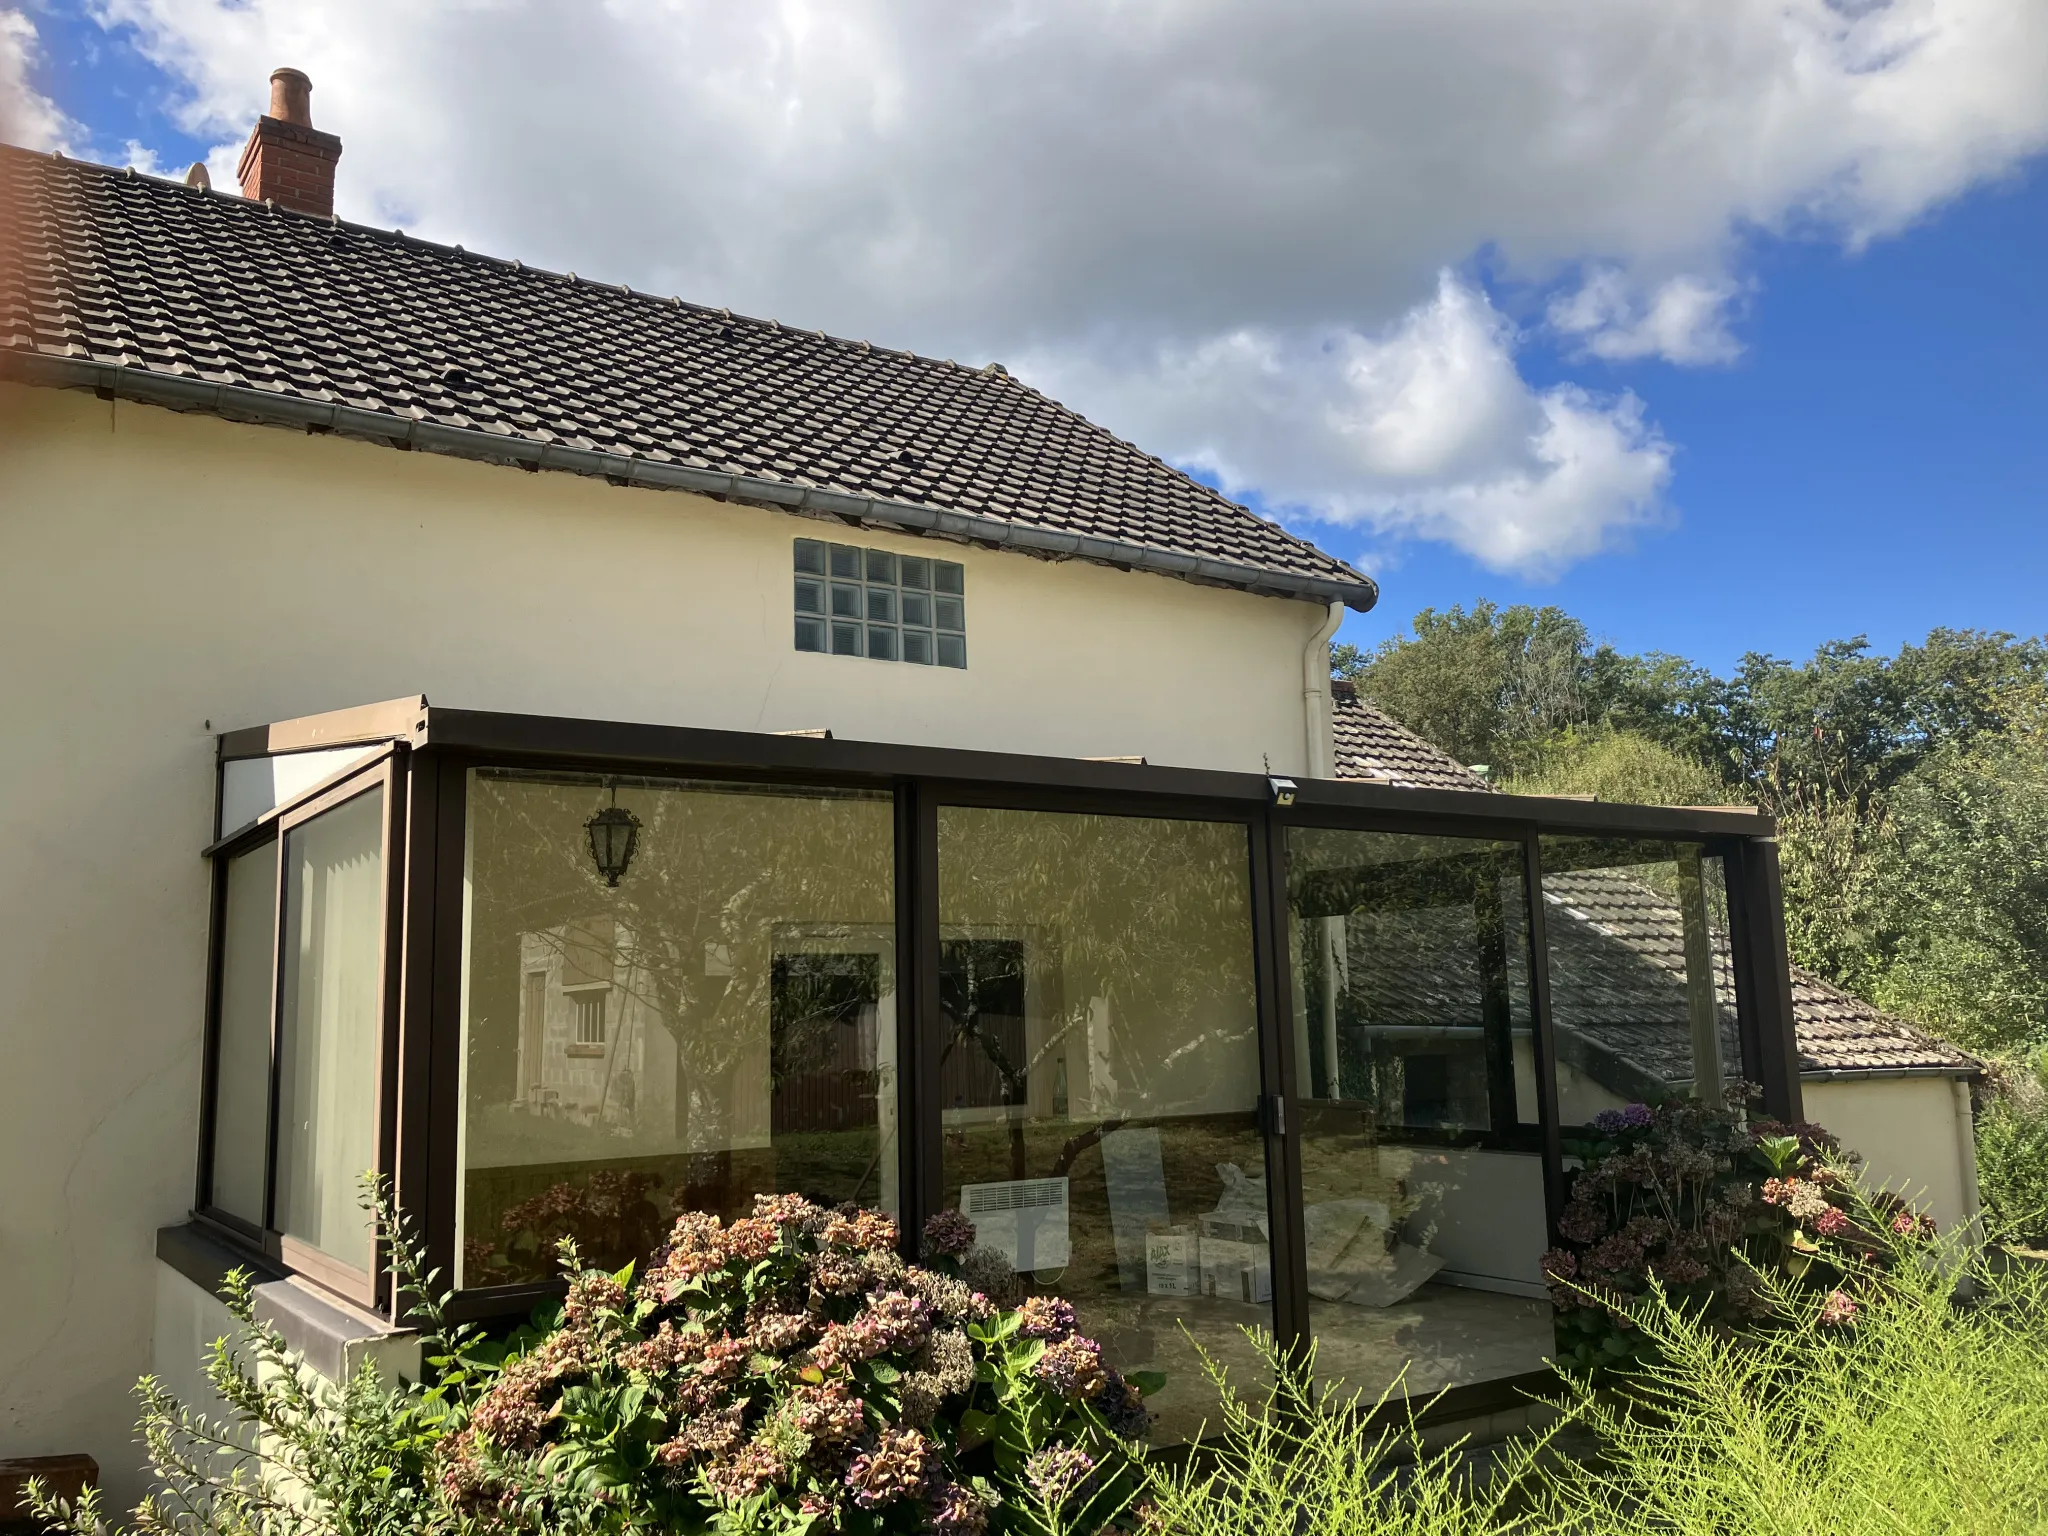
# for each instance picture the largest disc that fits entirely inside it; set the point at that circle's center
(1139, 924)
(719, 873)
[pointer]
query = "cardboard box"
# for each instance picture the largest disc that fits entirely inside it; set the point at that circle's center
(1237, 1271)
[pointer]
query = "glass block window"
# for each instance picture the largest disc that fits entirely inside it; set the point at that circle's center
(887, 607)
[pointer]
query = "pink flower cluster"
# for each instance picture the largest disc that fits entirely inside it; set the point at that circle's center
(795, 1357)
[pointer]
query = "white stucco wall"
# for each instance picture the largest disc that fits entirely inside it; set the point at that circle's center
(1910, 1136)
(164, 577)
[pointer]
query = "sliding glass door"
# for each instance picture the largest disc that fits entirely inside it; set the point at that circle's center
(1423, 1214)
(1099, 1080)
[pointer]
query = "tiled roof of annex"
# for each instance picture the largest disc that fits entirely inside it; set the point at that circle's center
(1623, 943)
(112, 278)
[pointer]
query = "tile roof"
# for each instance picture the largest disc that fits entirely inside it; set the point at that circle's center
(1617, 954)
(1373, 748)
(120, 280)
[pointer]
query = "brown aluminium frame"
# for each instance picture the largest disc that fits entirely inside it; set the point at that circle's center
(444, 743)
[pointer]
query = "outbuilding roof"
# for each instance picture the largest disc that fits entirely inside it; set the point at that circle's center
(208, 301)
(1618, 948)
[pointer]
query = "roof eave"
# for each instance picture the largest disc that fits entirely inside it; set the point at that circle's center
(274, 408)
(1870, 1074)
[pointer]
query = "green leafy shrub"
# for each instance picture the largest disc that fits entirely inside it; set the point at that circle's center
(296, 1455)
(1343, 1467)
(791, 1373)
(1895, 1411)
(2012, 1151)
(1695, 1201)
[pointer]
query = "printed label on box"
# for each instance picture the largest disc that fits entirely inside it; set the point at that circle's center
(1173, 1262)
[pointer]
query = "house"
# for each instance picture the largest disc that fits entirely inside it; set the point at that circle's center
(581, 754)
(1895, 1095)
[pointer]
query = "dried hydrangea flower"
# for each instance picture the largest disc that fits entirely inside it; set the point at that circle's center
(957, 1511)
(853, 1227)
(777, 1333)
(1582, 1221)
(991, 1274)
(949, 1300)
(665, 1351)
(591, 1294)
(830, 1414)
(1045, 1317)
(899, 1467)
(753, 1471)
(1072, 1367)
(1060, 1474)
(947, 1235)
(950, 1358)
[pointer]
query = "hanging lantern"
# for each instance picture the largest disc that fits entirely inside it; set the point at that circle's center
(614, 834)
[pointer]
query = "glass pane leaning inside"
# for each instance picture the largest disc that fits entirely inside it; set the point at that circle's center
(1099, 1081)
(330, 1019)
(1642, 987)
(1423, 1209)
(715, 1019)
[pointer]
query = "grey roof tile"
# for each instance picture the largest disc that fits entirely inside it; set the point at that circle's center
(94, 262)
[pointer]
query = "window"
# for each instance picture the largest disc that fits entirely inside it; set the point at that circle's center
(301, 1016)
(887, 607)
(590, 1018)
(1422, 1179)
(719, 1024)
(1641, 988)
(329, 1026)
(241, 1098)
(1100, 1074)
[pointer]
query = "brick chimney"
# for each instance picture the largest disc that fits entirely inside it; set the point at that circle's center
(287, 159)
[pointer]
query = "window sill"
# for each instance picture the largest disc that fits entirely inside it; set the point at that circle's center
(331, 1336)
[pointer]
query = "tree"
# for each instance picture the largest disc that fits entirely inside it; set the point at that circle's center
(1911, 790)
(1623, 766)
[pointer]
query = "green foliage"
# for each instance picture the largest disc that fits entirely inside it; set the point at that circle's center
(2012, 1151)
(1345, 1467)
(1692, 1199)
(1617, 765)
(297, 1455)
(1893, 1412)
(1898, 1412)
(1911, 790)
(1966, 850)
(1482, 684)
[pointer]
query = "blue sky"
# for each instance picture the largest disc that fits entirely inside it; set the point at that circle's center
(1874, 461)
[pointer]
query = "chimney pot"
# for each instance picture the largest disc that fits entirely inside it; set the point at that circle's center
(291, 97)
(287, 160)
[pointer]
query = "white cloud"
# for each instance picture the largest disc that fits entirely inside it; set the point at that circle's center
(27, 117)
(1683, 320)
(1423, 429)
(1149, 198)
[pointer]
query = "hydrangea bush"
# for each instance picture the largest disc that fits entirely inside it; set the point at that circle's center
(1698, 1200)
(791, 1373)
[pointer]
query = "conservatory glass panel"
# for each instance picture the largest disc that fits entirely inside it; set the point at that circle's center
(720, 1023)
(1641, 988)
(1422, 1180)
(241, 1095)
(1100, 1080)
(330, 1023)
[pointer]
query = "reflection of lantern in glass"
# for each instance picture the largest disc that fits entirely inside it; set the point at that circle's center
(614, 834)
